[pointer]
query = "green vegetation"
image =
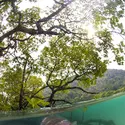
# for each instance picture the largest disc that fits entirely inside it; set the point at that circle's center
(46, 57)
(113, 82)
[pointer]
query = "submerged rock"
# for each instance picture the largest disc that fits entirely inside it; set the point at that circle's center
(54, 120)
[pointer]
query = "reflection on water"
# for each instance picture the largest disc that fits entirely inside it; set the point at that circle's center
(109, 112)
(99, 122)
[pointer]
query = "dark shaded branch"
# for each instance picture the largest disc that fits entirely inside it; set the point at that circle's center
(3, 1)
(42, 98)
(34, 95)
(12, 2)
(26, 30)
(28, 74)
(65, 30)
(47, 82)
(35, 32)
(21, 40)
(50, 74)
(13, 6)
(8, 34)
(71, 81)
(79, 88)
(58, 2)
(67, 83)
(60, 100)
(45, 19)
(3, 50)
(77, 76)
(21, 94)
(50, 100)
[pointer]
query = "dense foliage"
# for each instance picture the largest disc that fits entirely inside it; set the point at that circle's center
(112, 80)
(43, 52)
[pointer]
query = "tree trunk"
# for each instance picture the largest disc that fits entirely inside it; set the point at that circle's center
(50, 100)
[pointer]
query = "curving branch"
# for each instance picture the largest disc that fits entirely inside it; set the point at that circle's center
(23, 29)
(79, 88)
(4, 50)
(39, 30)
(45, 19)
(34, 95)
(59, 100)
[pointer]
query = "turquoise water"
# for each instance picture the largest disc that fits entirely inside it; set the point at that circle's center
(108, 112)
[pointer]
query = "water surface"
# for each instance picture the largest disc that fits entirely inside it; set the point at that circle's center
(109, 111)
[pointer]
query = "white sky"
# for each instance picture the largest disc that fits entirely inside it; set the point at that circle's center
(48, 3)
(41, 3)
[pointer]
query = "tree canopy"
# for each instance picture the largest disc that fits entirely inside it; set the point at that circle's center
(47, 53)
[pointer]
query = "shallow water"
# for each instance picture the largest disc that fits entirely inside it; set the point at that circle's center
(108, 112)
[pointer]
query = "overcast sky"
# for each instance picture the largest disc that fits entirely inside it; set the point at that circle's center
(41, 3)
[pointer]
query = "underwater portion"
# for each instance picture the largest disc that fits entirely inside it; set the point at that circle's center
(106, 112)
(110, 112)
